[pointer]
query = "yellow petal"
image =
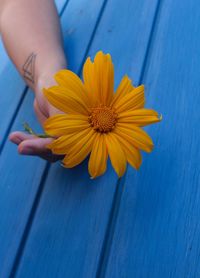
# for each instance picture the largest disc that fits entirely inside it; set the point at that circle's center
(133, 100)
(132, 154)
(63, 144)
(61, 124)
(116, 154)
(99, 78)
(79, 151)
(69, 80)
(135, 136)
(98, 157)
(139, 117)
(90, 82)
(66, 100)
(124, 88)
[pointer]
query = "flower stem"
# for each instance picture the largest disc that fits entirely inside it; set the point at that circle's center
(28, 129)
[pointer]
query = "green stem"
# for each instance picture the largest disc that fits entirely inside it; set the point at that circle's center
(28, 129)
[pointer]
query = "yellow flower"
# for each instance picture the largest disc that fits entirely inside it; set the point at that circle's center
(96, 120)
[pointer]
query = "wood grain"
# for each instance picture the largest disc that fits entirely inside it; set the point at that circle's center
(157, 229)
(69, 233)
(19, 176)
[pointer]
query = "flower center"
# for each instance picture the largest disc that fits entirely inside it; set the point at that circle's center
(103, 118)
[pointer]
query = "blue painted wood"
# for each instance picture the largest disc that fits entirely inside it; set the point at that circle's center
(15, 188)
(20, 179)
(17, 173)
(12, 89)
(157, 230)
(68, 237)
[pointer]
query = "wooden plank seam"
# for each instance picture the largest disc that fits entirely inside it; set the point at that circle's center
(38, 196)
(29, 222)
(92, 36)
(107, 244)
(13, 118)
(41, 185)
(108, 238)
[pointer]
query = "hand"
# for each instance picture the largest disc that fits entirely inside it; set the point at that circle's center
(29, 144)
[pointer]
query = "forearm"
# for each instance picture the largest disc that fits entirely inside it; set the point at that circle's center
(31, 34)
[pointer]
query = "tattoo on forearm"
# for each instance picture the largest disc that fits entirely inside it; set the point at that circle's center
(29, 68)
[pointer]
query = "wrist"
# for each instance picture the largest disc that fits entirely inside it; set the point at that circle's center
(45, 80)
(45, 74)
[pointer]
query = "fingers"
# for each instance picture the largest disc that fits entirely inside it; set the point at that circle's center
(32, 145)
(17, 137)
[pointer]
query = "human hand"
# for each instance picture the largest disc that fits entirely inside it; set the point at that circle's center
(29, 144)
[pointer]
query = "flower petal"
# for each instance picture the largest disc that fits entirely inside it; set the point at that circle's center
(131, 101)
(90, 82)
(99, 78)
(79, 151)
(61, 124)
(66, 100)
(124, 88)
(69, 80)
(98, 158)
(63, 144)
(135, 136)
(139, 117)
(133, 155)
(116, 154)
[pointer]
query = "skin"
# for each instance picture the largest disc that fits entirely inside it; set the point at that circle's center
(36, 49)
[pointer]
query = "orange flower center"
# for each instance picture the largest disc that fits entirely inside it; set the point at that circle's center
(103, 118)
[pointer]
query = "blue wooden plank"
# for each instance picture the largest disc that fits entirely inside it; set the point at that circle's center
(60, 4)
(68, 233)
(157, 231)
(20, 178)
(12, 89)
(17, 174)
(15, 202)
